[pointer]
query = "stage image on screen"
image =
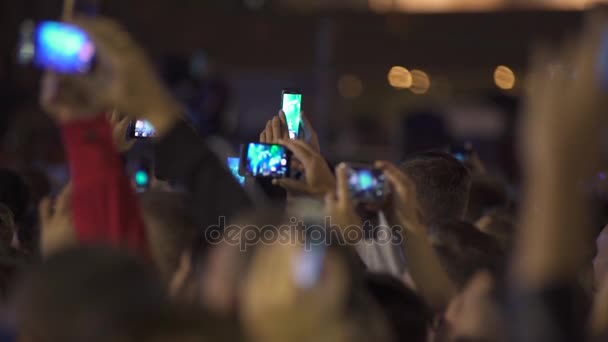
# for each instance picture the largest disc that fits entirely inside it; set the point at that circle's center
(292, 106)
(144, 129)
(233, 165)
(267, 160)
(366, 184)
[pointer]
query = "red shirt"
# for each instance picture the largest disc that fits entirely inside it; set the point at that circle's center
(105, 207)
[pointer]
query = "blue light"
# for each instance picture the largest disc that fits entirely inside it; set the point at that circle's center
(233, 165)
(63, 48)
(366, 179)
(142, 178)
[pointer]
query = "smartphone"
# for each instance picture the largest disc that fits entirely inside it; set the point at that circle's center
(142, 178)
(265, 161)
(141, 129)
(367, 184)
(291, 105)
(234, 164)
(462, 152)
(56, 46)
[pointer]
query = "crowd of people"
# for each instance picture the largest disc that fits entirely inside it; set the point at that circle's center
(445, 256)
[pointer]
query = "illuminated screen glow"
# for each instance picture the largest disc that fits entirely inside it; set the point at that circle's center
(233, 165)
(143, 129)
(366, 185)
(142, 178)
(292, 107)
(63, 48)
(267, 160)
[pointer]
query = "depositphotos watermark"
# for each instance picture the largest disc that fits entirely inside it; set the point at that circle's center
(297, 232)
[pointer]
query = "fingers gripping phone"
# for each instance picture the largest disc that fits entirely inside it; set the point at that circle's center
(265, 161)
(56, 46)
(141, 129)
(291, 105)
(367, 184)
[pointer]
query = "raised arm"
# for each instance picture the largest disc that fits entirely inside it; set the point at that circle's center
(424, 265)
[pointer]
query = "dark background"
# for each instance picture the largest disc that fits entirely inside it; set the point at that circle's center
(255, 52)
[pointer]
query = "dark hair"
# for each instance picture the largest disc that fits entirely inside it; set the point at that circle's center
(171, 228)
(487, 193)
(14, 193)
(188, 323)
(87, 294)
(464, 250)
(442, 185)
(408, 316)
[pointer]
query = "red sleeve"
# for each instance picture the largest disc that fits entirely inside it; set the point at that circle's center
(105, 208)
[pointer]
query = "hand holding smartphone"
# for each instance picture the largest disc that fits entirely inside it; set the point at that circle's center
(265, 160)
(291, 105)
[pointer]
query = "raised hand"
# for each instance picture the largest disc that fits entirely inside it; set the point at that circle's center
(340, 207)
(319, 179)
(57, 228)
(120, 125)
(123, 79)
(275, 307)
(404, 201)
(275, 129)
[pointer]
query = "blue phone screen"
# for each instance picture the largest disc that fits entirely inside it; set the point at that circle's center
(367, 185)
(267, 160)
(63, 48)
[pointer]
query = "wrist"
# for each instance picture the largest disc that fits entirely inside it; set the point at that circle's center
(164, 116)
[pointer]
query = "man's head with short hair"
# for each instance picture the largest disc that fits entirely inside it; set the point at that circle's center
(463, 250)
(87, 294)
(442, 185)
(488, 193)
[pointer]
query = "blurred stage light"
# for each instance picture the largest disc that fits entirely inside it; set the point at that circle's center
(504, 77)
(350, 86)
(421, 82)
(399, 77)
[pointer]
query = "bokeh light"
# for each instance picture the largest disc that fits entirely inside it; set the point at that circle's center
(399, 77)
(350, 86)
(421, 82)
(504, 77)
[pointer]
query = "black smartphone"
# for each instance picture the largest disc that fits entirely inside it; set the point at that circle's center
(367, 184)
(265, 160)
(291, 104)
(462, 152)
(141, 129)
